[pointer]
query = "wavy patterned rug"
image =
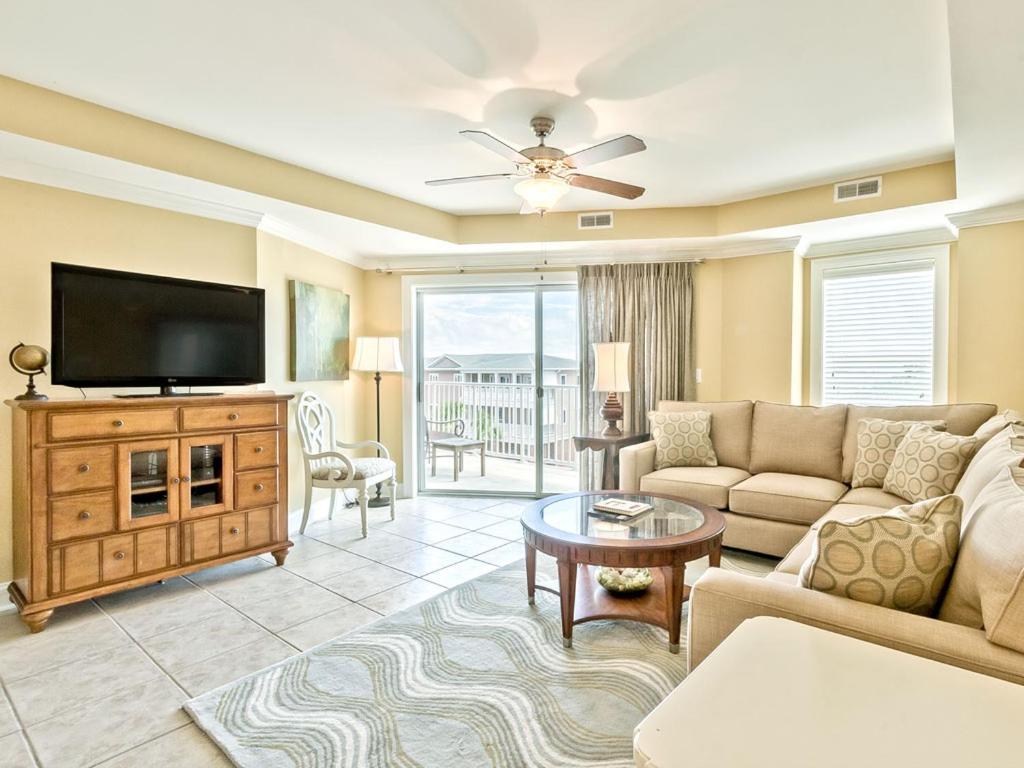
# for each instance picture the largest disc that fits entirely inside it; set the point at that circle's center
(474, 677)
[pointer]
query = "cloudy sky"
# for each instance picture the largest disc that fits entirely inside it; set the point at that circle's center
(497, 321)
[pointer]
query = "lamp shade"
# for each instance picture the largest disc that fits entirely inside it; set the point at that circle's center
(377, 353)
(541, 191)
(611, 366)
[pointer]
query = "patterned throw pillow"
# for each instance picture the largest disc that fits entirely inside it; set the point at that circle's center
(876, 445)
(897, 559)
(928, 463)
(682, 439)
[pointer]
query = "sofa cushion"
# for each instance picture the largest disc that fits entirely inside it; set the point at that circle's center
(682, 439)
(877, 440)
(798, 555)
(873, 497)
(1004, 450)
(785, 497)
(798, 440)
(897, 559)
(730, 428)
(998, 423)
(960, 418)
(708, 485)
(987, 588)
(928, 464)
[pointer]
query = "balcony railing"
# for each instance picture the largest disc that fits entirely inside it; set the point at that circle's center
(504, 417)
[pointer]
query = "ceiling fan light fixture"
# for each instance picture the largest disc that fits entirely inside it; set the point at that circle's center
(542, 191)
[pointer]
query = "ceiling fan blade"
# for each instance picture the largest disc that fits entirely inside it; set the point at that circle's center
(496, 145)
(465, 179)
(609, 187)
(608, 150)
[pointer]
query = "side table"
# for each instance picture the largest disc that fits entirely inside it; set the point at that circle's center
(610, 444)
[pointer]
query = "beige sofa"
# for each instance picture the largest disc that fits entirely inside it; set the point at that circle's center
(721, 599)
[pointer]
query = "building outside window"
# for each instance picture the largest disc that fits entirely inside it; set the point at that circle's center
(504, 378)
(486, 378)
(524, 378)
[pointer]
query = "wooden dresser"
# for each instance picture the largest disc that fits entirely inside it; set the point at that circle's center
(114, 494)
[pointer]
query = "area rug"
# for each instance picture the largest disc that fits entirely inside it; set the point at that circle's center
(474, 677)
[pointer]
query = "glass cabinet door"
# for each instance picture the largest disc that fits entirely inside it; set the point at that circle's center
(207, 475)
(148, 483)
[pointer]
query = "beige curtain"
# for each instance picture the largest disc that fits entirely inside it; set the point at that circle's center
(651, 307)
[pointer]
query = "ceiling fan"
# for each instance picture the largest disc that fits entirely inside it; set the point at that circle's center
(546, 173)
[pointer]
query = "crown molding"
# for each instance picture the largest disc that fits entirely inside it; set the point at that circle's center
(915, 239)
(272, 225)
(998, 214)
(102, 186)
(607, 253)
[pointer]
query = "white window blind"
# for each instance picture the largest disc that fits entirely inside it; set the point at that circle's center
(878, 334)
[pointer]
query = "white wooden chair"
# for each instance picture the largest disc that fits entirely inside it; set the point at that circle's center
(326, 467)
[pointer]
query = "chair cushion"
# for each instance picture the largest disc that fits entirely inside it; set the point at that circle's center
(798, 555)
(798, 440)
(877, 440)
(928, 464)
(899, 559)
(873, 497)
(987, 588)
(785, 497)
(960, 418)
(364, 468)
(682, 439)
(1006, 449)
(708, 485)
(730, 428)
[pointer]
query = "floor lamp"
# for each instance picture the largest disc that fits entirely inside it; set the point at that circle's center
(379, 354)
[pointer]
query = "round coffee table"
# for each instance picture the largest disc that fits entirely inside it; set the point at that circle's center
(664, 539)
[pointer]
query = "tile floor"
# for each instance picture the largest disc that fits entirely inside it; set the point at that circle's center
(104, 684)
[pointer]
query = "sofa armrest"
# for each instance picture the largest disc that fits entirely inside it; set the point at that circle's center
(635, 461)
(721, 600)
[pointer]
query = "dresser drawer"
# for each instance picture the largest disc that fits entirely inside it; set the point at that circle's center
(256, 449)
(82, 469)
(75, 517)
(84, 564)
(259, 526)
(212, 537)
(256, 488)
(118, 558)
(228, 416)
(156, 549)
(233, 533)
(114, 423)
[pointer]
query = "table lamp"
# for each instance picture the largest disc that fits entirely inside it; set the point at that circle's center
(611, 375)
(379, 354)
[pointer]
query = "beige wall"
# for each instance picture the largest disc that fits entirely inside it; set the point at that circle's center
(279, 261)
(41, 225)
(989, 359)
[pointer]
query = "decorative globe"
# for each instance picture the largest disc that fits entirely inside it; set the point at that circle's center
(30, 359)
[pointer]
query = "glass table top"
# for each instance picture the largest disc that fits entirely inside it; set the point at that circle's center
(668, 518)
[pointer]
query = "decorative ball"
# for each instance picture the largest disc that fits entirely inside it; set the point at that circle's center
(625, 579)
(30, 358)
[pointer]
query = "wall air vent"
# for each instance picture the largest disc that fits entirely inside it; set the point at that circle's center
(858, 189)
(601, 220)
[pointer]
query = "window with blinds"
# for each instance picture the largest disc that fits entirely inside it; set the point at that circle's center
(878, 334)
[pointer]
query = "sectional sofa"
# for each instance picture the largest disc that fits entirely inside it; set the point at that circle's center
(783, 470)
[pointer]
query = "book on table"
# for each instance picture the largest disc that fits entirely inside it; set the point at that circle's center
(622, 507)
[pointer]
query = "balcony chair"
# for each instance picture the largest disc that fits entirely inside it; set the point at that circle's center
(326, 467)
(449, 435)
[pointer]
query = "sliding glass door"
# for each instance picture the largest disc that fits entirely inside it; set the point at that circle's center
(497, 390)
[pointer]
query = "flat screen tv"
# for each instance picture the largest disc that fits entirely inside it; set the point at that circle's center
(121, 329)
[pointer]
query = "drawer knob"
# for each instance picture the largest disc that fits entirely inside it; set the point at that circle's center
(186, 479)
(83, 468)
(118, 422)
(235, 531)
(232, 417)
(258, 486)
(84, 515)
(259, 449)
(175, 480)
(119, 555)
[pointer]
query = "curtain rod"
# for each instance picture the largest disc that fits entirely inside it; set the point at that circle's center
(524, 267)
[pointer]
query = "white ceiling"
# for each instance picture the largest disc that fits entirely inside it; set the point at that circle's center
(735, 98)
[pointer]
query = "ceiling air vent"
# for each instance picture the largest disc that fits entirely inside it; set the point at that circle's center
(596, 220)
(858, 189)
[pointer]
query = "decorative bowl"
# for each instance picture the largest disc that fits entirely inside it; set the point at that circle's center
(625, 580)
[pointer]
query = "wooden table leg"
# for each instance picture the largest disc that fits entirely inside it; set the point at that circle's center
(567, 594)
(674, 603)
(609, 481)
(715, 553)
(531, 574)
